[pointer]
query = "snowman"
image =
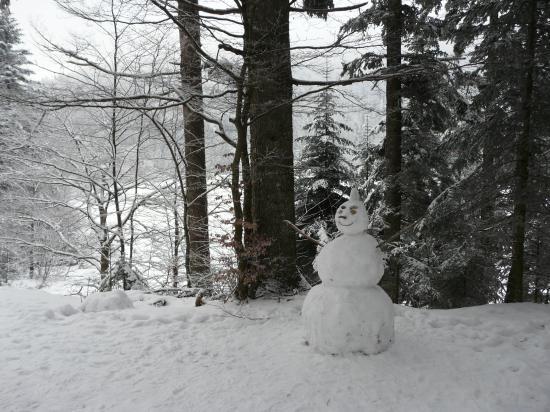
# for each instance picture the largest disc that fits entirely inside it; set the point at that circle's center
(349, 312)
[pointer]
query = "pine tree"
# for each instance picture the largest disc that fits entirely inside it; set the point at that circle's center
(324, 173)
(12, 59)
(508, 126)
(411, 169)
(14, 122)
(13, 74)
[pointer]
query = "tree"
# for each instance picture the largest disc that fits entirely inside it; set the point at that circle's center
(271, 138)
(12, 59)
(265, 77)
(195, 171)
(324, 174)
(111, 133)
(408, 27)
(515, 288)
(509, 59)
(15, 124)
(392, 144)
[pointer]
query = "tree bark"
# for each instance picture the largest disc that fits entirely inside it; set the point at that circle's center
(514, 290)
(177, 235)
(177, 241)
(136, 184)
(392, 146)
(241, 192)
(105, 246)
(271, 147)
(195, 173)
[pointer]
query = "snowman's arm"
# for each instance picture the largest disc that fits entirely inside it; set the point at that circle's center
(304, 234)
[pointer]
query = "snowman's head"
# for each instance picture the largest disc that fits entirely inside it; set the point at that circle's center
(351, 217)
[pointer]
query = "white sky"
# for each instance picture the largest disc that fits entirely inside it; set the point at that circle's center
(42, 15)
(45, 16)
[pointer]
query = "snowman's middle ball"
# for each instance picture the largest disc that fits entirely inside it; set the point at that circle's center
(351, 261)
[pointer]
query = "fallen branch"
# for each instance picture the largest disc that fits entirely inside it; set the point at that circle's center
(236, 315)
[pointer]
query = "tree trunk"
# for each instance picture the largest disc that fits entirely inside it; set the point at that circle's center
(136, 184)
(539, 285)
(272, 161)
(392, 146)
(514, 291)
(242, 203)
(114, 168)
(105, 247)
(31, 253)
(177, 236)
(195, 173)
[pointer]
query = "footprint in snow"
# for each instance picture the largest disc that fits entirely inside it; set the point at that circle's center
(49, 314)
(513, 368)
(163, 321)
(200, 318)
(67, 310)
(469, 321)
(435, 323)
(178, 390)
(182, 318)
(494, 341)
(140, 316)
(506, 332)
(533, 327)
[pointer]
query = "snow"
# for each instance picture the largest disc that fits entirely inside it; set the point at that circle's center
(351, 261)
(348, 312)
(101, 301)
(253, 358)
(351, 217)
(343, 319)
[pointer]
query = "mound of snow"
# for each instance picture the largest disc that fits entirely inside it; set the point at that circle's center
(101, 301)
(67, 310)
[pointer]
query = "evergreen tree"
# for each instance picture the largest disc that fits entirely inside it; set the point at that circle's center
(15, 121)
(13, 74)
(12, 59)
(324, 173)
(505, 130)
(410, 168)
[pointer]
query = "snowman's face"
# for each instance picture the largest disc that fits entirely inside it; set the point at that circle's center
(351, 218)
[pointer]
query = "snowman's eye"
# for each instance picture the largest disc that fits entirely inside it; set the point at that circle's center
(353, 210)
(342, 207)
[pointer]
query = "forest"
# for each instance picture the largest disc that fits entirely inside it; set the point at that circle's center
(274, 205)
(194, 145)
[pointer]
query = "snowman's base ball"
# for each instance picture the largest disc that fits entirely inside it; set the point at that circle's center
(344, 320)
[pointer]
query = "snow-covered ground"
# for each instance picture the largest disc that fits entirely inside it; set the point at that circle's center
(253, 358)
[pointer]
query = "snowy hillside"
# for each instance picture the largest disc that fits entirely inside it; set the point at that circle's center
(254, 358)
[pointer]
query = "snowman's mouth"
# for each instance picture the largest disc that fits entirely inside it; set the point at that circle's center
(346, 225)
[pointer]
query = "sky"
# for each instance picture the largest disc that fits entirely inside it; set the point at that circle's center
(42, 15)
(45, 17)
